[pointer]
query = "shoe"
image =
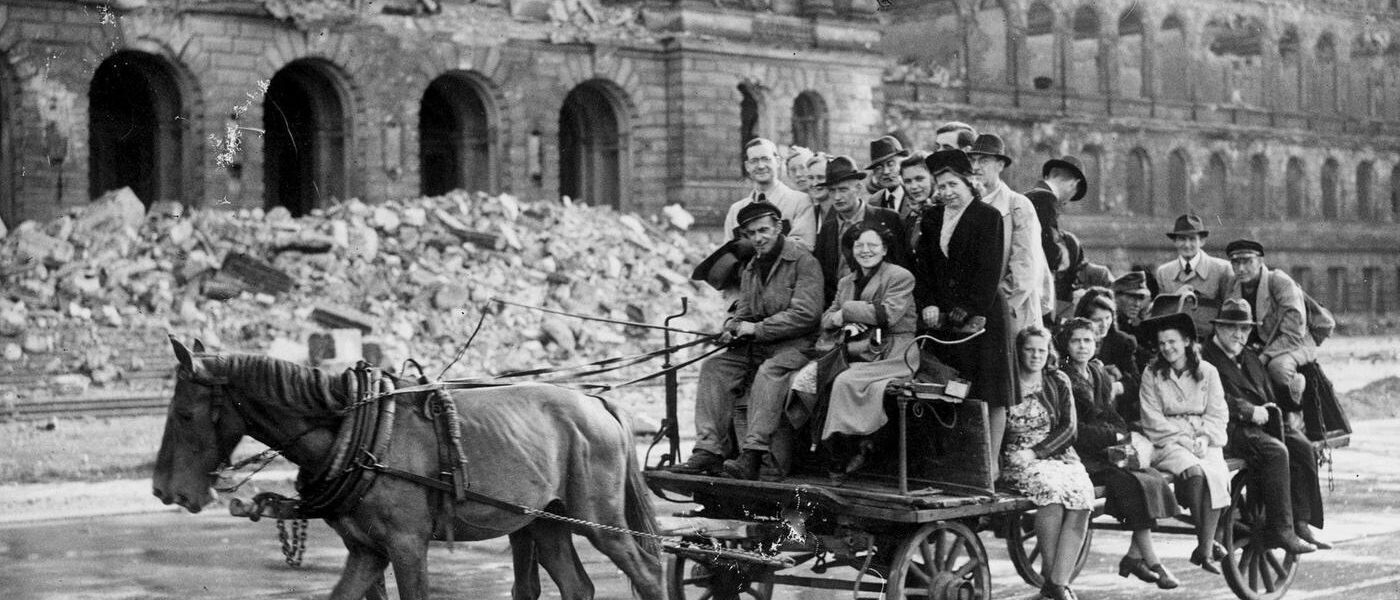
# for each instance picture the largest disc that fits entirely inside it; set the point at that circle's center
(1165, 579)
(701, 462)
(1306, 534)
(862, 456)
(744, 467)
(1206, 564)
(1138, 568)
(1055, 591)
(1288, 541)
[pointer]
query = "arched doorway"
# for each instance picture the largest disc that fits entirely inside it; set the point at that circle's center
(455, 136)
(590, 147)
(134, 128)
(809, 126)
(304, 114)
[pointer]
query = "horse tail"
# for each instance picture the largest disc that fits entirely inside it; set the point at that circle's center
(638, 509)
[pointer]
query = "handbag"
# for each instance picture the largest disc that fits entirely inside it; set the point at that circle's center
(867, 346)
(1321, 323)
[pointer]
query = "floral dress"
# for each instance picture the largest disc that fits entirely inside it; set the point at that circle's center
(1056, 477)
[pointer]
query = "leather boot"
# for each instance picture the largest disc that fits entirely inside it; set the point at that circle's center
(744, 467)
(1305, 533)
(701, 462)
(1288, 541)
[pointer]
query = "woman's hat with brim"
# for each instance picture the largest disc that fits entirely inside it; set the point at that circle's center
(990, 144)
(841, 168)
(1149, 328)
(955, 161)
(722, 267)
(1235, 311)
(884, 148)
(1071, 164)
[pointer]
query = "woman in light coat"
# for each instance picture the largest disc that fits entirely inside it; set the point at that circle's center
(1185, 415)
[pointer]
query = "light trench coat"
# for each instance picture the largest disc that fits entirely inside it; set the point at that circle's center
(1178, 409)
(887, 301)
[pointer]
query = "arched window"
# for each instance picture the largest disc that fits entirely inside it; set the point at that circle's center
(1296, 189)
(306, 117)
(1230, 72)
(1178, 182)
(1365, 183)
(1367, 75)
(455, 136)
(748, 118)
(591, 146)
(1133, 79)
(1331, 194)
(1093, 174)
(1085, 66)
(1288, 93)
(1258, 189)
(1391, 72)
(1173, 59)
(1324, 88)
(809, 121)
(1041, 72)
(1395, 192)
(135, 104)
(989, 45)
(1139, 200)
(1215, 194)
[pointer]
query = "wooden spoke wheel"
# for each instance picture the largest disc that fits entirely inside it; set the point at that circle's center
(1023, 545)
(941, 561)
(1253, 571)
(689, 579)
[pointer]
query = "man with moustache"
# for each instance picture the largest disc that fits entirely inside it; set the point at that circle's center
(774, 321)
(886, 154)
(1027, 284)
(843, 185)
(1286, 467)
(761, 165)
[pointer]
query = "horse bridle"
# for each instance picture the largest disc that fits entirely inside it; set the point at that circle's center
(219, 397)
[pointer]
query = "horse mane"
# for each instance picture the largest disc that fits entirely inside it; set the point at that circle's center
(305, 390)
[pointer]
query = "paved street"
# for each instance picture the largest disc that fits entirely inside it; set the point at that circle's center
(173, 555)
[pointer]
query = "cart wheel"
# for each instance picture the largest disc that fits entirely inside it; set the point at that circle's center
(1253, 572)
(941, 561)
(689, 579)
(1024, 548)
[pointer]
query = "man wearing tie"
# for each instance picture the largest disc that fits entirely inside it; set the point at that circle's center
(886, 153)
(761, 166)
(1208, 276)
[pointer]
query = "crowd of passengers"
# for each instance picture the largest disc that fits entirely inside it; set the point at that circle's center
(856, 260)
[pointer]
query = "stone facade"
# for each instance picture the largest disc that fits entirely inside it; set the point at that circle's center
(1277, 120)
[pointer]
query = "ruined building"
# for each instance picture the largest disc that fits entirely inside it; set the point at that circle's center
(1273, 119)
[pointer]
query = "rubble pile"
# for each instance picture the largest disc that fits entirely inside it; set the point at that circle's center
(409, 279)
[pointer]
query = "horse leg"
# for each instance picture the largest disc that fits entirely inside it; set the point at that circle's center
(623, 549)
(409, 554)
(363, 576)
(527, 570)
(554, 545)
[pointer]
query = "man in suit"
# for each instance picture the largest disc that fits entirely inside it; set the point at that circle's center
(1061, 180)
(1279, 464)
(886, 153)
(761, 165)
(1282, 338)
(843, 186)
(775, 320)
(1027, 284)
(1208, 276)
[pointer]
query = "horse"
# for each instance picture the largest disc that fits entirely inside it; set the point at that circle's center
(534, 445)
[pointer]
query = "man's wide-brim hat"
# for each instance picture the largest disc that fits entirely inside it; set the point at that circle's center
(884, 148)
(1071, 164)
(722, 267)
(1180, 321)
(1235, 311)
(1188, 225)
(955, 161)
(990, 144)
(841, 168)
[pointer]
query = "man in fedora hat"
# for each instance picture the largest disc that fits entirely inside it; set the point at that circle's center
(1061, 180)
(1280, 464)
(774, 321)
(1027, 283)
(1208, 277)
(886, 153)
(1282, 337)
(843, 185)
(761, 166)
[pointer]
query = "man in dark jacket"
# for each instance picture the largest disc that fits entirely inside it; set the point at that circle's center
(1061, 180)
(774, 321)
(1286, 464)
(848, 209)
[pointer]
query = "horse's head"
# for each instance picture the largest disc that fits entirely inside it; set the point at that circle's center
(201, 430)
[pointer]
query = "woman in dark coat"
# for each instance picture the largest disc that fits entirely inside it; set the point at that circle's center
(1137, 497)
(958, 285)
(1117, 351)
